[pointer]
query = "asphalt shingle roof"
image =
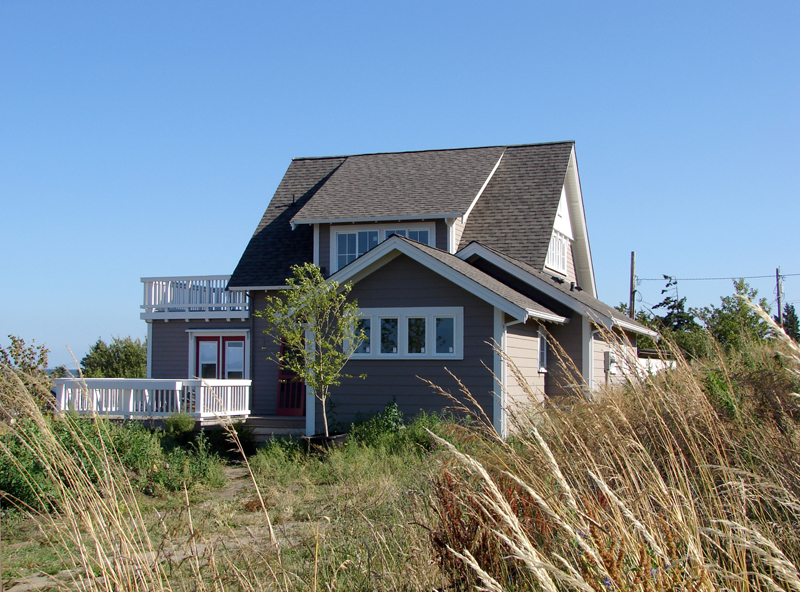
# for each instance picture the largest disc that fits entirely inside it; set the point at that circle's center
(514, 215)
(482, 278)
(516, 211)
(275, 247)
(580, 295)
(425, 184)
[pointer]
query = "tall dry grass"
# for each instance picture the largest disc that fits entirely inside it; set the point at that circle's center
(359, 528)
(650, 486)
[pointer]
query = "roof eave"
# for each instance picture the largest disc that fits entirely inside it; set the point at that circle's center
(434, 216)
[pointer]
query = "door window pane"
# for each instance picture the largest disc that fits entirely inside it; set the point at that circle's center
(445, 335)
(389, 336)
(234, 359)
(208, 359)
(416, 335)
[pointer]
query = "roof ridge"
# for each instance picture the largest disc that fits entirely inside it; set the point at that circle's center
(434, 150)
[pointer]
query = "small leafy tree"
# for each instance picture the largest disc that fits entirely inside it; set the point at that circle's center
(28, 364)
(318, 328)
(124, 357)
(734, 322)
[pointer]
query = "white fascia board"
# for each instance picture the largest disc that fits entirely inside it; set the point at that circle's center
(554, 318)
(256, 288)
(578, 219)
(373, 260)
(538, 283)
(485, 183)
(635, 329)
(296, 221)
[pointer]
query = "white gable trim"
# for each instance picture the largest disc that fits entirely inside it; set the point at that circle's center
(395, 246)
(584, 268)
(485, 183)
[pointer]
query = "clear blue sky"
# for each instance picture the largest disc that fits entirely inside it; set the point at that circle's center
(146, 138)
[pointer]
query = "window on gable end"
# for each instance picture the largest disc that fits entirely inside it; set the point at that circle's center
(557, 252)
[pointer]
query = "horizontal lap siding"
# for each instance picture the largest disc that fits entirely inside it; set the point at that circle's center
(600, 347)
(325, 248)
(561, 377)
(171, 344)
(404, 283)
(264, 399)
(522, 347)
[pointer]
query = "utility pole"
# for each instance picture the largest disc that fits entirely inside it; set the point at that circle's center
(633, 284)
(779, 288)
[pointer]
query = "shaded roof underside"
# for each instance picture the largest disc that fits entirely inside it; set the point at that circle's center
(581, 296)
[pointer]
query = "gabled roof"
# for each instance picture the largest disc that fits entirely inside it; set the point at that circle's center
(402, 185)
(519, 189)
(452, 268)
(516, 211)
(275, 247)
(576, 299)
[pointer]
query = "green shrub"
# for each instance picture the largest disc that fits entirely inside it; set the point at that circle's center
(179, 427)
(387, 430)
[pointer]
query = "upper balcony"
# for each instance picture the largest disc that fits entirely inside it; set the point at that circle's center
(192, 297)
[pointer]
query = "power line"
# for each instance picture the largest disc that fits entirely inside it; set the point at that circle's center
(738, 277)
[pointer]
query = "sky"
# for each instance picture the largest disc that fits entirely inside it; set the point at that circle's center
(146, 138)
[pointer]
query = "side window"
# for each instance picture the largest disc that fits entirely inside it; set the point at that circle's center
(412, 333)
(557, 252)
(445, 335)
(416, 335)
(542, 352)
(365, 326)
(389, 336)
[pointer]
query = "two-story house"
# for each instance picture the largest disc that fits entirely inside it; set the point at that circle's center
(448, 251)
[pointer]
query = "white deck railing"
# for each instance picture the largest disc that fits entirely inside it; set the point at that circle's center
(192, 297)
(133, 398)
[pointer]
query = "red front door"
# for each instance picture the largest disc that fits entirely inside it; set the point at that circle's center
(291, 392)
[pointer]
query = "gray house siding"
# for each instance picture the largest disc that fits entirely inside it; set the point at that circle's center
(406, 283)
(170, 345)
(264, 371)
(325, 249)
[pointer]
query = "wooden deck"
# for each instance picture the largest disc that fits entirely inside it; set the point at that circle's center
(270, 426)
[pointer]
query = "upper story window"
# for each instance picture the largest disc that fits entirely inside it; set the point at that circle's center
(407, 333)
(348, 243)
(557, 253)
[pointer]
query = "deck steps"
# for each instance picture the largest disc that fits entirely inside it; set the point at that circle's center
(269, 426)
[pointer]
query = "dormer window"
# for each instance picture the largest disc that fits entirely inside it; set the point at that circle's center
(348, 243)
(557, 253)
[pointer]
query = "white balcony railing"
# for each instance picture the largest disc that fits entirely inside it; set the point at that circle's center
(193, 297)
(134, 398)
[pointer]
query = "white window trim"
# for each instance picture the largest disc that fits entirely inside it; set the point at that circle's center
(381, 228)
(553, 260)
(194, 333)
(403, 314)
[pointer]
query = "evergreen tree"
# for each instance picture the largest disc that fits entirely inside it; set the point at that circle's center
(790, 322)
